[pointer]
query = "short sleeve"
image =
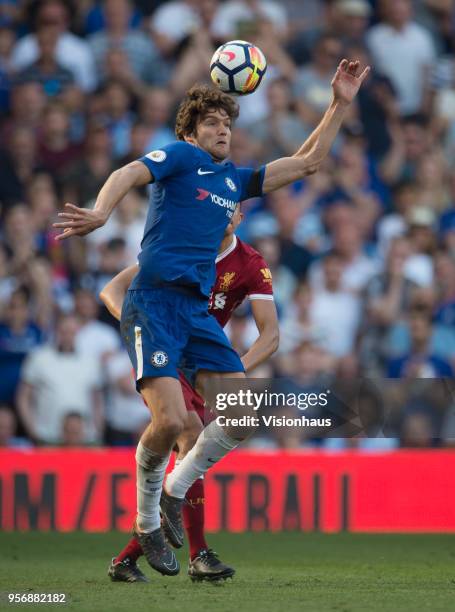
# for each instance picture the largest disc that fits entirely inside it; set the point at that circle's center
(171, 159)
(260, 285)
(251, 182)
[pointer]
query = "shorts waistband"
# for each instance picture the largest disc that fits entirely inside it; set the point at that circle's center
(182, 289)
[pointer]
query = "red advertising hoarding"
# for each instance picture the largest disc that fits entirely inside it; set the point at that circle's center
(94, 490)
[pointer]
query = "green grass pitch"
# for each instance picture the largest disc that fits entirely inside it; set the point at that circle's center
(283, 572)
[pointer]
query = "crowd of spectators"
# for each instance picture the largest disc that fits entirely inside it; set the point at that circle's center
(362, 253)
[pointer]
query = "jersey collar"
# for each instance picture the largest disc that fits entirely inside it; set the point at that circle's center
(226, 252)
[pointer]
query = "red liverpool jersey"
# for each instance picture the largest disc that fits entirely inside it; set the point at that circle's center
(240, 272)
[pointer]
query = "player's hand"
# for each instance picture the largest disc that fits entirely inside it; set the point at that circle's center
(346, 82)
(79, 221)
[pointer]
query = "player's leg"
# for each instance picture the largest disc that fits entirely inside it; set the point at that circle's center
(193, 508)
(194, 405)
(214, 443)
(210, 354)
(164, 397)
(154, 334)
(204, 563)
(123, 567)
(165, 400)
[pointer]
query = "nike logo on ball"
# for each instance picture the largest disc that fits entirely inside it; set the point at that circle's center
(201, 172)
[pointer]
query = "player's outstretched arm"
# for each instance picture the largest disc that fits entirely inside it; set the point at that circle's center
(308, 159)
(82, 221)
(265, 317)
(113, 294)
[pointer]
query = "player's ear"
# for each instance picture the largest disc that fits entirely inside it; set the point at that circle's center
(190, 138)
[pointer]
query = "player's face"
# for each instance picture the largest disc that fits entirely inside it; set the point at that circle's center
(213, 134)
(235, 221)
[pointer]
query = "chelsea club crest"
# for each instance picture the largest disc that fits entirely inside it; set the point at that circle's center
(159, 359)
(230, 183)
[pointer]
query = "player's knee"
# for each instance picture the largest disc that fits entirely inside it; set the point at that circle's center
(171, 426)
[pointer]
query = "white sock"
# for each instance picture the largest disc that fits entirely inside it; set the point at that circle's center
(211, 446)
(150, 469)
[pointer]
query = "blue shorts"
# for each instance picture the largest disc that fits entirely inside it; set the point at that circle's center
(167, 328)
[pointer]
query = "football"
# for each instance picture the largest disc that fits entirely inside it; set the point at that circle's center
(237, 67)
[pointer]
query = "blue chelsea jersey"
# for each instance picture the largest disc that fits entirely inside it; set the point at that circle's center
(193, 199)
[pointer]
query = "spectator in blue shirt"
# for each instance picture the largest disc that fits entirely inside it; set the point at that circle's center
(18, 336)
(52, 76)
(420, 362)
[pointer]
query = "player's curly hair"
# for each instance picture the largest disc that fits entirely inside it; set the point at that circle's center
(198, 101)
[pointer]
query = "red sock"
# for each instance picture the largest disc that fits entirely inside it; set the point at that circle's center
(132, 551)
(193, 517)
